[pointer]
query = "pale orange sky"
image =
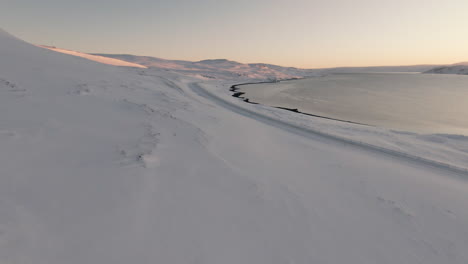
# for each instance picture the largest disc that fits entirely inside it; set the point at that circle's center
(300, 33)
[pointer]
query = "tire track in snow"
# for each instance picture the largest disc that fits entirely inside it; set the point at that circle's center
(311, 133)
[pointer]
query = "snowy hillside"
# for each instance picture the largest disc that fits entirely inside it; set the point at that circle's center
(117, 165)
(459, 68)
(225, 69)
(101, 59)
(412, 68)
(219, 68)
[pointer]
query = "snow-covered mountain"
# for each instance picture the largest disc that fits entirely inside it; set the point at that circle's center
(117, 165)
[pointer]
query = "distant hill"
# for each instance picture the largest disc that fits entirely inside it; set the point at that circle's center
(457, 68)
(217, 68)
(226, 69)
(412, 68)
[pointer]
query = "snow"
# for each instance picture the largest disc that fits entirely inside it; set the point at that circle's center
(453, 69)
(457, 68)
(230, 70)
(221, 69)
(101, 59)
(103, 164)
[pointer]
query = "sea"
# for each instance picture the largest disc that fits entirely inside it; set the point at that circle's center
(414, 102)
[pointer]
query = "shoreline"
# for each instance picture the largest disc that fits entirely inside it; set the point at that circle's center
(236, 93)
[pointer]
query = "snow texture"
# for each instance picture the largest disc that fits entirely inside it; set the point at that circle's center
(105, 164)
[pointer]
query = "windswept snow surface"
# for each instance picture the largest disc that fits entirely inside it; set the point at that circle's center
(104, 164)
(101, 59)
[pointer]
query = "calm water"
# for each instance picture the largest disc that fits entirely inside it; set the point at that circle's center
(427, 103)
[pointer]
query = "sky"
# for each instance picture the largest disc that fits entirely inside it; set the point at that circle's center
(299, 33)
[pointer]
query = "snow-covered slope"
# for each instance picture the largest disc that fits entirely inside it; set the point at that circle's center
(73, 152)
(225, 69)
(459, 68)
(411, 68)
(219, 68)
(104, 164)
(101, 59)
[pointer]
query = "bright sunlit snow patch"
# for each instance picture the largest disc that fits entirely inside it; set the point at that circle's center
(100, 59)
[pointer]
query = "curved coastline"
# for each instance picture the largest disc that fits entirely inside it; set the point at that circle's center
(306, 132)
(236, 93)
